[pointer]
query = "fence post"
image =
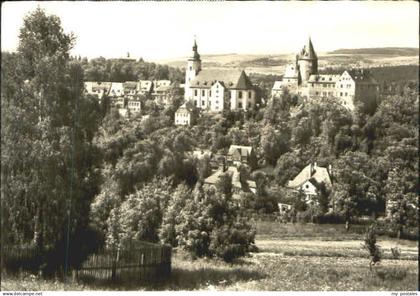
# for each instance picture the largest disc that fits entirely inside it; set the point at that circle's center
(114, 267)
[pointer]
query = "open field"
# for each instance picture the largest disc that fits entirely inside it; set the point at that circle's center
(317, 257)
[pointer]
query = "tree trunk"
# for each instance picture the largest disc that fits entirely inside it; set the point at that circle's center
(347, 225)
(399, 231)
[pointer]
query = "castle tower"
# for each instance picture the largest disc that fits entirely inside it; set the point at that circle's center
(307, 61)
(193, 67)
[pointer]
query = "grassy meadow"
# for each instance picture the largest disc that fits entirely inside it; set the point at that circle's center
(295, 257)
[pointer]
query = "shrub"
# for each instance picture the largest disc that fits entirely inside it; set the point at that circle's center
(232, 241)
(210, 224)
(371, 246)
(396, 252)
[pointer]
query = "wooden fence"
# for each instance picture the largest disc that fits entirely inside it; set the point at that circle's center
(145, 263)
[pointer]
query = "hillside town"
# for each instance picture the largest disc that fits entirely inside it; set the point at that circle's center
(214, 91)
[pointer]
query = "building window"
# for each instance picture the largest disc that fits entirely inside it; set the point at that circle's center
(195, 103)
(209, 93)
(202, 103)
(341, 94)
(240, 95)
(313, 84)
(190, 68)
(203, 93)
(195, 92)
(240, 105)
(316, 93)
(249, 94)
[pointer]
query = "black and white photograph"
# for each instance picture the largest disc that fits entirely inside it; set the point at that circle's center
(209, 146)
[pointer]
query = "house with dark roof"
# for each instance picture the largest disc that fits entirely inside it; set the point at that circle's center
(215, 90)
(238, 184)
(309, 180)
(98, 89)
(238, 155)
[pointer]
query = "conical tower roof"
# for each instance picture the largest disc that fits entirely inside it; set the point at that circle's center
(307, 52)
(310, 49)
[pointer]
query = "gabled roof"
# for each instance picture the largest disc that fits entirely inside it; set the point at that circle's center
(319, 174)
(277, 85)
(183, 109)
(324, 78)
(361, 76)
(163, 88)
(130, 85)
(231, 79)
(243, 150)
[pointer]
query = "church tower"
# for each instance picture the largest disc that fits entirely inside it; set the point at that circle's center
(193, 67)
(307, 61)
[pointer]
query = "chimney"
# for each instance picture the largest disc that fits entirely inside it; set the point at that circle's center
(222, 165)
(330, 170)
(311, 169)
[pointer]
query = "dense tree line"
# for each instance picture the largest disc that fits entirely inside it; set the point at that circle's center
(121, 70)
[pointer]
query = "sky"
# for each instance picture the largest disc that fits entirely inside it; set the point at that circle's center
(165, 30)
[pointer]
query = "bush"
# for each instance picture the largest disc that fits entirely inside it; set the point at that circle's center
(209, 224)
(232, 241)
(371, 246)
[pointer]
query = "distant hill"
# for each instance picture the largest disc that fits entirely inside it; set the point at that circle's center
(276, 63)
(399, 51)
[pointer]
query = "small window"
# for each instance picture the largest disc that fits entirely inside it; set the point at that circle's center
(202, 103)
(249, 94)
(209, 93)
(203, 93)
(307, 186)
(240, 105)
(195, 92)
(341, 94)
(195, 103)
(190, 68)
(240, 94)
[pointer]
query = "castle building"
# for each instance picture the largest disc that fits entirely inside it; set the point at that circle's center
(216, 90)
(302, 78)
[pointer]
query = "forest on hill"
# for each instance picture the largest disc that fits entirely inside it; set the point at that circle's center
(398, 51)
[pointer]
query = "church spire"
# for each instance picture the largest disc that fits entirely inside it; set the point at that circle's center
(196, 55)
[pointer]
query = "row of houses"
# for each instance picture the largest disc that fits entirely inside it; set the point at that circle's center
(302, 78)
(126, 95)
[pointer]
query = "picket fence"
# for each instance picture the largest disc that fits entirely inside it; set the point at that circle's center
(145, 263)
